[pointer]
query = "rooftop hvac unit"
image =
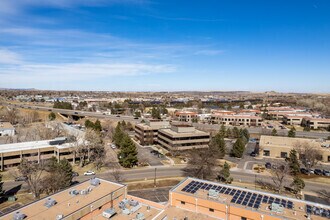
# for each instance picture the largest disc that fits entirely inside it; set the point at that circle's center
(59, 217)
(213, 193)
(108, 213)
(126, 211)
(50, 202)
(140, 216)
(95, 182)
(135, 208)
(122, 205)
(74, 192)
(133, 202)
(83, 192)
(19, 216)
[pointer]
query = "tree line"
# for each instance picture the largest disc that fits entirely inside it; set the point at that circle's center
(128, 153)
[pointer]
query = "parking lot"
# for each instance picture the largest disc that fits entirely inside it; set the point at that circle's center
(145, 156)
(155, 195)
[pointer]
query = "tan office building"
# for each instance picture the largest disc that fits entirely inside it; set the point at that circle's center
(186, 116)
(317, 123)
(280, 147)
(12, 154)
(147, 132)
(183, 137)
(236, 120)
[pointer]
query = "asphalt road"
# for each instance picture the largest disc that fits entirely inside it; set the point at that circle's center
(175, 171)
(73, 112)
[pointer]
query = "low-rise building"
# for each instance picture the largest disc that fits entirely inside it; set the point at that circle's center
(186, 116)
(182, 137)
(317, 123)
(190, 199)
(6, 129)
(12, 154)
(236, 120)
(147, 132)
(295, 119)
(280, 147)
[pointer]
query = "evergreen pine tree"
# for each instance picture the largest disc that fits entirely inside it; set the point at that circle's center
(222, 132)
(292, 132)
(224, 174)
(294, 162)
(97, 126)
(218, 145)
(236, 133)
(229, 133)
(118, 135)
(297, 184)
(128, 153)
(274, 132)
(238, 148)
(65, 169)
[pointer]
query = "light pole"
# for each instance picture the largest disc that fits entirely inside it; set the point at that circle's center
(155, 177)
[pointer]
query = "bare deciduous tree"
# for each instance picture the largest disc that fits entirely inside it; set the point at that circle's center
(33, 171)
(201, 163)
(279, 174)
(117, 174)
(309, 154)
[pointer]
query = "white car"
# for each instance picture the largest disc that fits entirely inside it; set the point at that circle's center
(113, 146)
(89, 173)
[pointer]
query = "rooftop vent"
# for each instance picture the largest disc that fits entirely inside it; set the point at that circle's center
(95, 182)
(19, 216)
(133, 202)
(50, 202)
(140, 216)
(59, 217)
(74, 192)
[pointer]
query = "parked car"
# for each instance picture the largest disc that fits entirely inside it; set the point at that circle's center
(311, 171)
(20, 178)
(118, 116)
(318, 172)
(89, 173)
(253, 154)
(76, 113)
(268, 165)
(74, 174)
(326, 172)
(113, 146)
(303, 171)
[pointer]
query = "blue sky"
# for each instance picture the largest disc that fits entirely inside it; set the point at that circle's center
(169, 45)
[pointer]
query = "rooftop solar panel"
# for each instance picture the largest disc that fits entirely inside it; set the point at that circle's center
(250, 204)
(223, 189)
(270, 200)
(256, 205)
(265, 199)
(227, 191)
(232, 192)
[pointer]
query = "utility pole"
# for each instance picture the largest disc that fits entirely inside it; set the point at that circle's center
(155, 177)
(255, 181)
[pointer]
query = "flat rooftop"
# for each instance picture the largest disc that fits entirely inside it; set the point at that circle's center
(253, 200)
(174, 134)
(30, 145)
(6, 126)
(66, 203)
(289, 141)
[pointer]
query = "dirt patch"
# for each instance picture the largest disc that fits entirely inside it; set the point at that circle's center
(149, 184)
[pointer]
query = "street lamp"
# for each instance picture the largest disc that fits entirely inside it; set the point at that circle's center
(155, 177)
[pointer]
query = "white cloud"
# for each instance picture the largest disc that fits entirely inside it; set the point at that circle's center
(9, 57)
(209, 52)
(45, 73)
